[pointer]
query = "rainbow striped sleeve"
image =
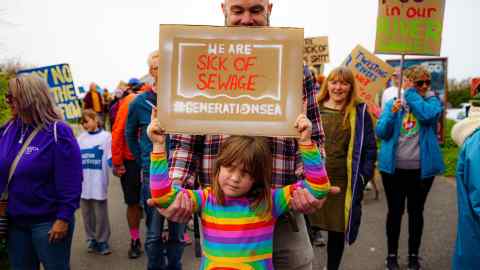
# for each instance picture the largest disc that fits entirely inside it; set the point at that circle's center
(316, 182)
(316, 179)
(161, 187)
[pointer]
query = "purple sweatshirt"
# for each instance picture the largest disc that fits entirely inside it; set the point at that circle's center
(48, 180)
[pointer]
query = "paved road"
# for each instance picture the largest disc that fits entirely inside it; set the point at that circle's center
(367, 253)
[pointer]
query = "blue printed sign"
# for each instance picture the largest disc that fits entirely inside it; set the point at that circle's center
(92, 158)
(60, 81)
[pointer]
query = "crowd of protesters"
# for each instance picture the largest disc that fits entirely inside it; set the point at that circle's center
(46, 173)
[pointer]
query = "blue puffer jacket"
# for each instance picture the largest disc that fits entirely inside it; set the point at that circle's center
(362, 152)
(467, 246)
(427, 110)
(139, 114)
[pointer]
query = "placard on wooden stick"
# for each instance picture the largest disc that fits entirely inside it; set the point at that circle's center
(371, 75)
(315, 51)
(230, 80)
(409, 27)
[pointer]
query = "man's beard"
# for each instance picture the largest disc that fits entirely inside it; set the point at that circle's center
(267, 17)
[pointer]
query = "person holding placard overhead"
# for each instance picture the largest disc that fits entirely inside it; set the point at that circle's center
(409, 159)
(192, 157)
(351, 150)
(41, 174)
(140, 145)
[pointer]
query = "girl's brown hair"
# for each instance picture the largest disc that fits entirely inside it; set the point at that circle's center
(91, 114)
(255, 155)
(343, 74)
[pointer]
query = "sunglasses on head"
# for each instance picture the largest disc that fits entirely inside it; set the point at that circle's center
(421, 82)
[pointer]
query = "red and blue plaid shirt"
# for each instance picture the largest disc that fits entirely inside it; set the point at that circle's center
(193, 155)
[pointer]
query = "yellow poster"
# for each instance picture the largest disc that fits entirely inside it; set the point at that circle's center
(409, 27)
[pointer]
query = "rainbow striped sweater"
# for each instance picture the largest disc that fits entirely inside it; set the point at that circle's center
(235, 236)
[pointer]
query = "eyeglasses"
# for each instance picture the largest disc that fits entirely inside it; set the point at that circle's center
(421, 82)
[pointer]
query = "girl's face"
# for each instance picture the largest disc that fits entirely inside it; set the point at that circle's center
(234, 180)
(89, 124)
(338, 90)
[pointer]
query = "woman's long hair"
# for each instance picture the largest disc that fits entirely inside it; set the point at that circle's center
(255, 155)
(344, 74)
(33, 101)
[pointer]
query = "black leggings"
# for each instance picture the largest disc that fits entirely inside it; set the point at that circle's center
(405, 184)
(335, 247)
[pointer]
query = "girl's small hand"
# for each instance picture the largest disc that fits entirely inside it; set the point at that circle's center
(304, 128)
(397, 104)
(154, 131)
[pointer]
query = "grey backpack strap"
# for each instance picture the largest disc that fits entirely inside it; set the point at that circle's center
(13, 167)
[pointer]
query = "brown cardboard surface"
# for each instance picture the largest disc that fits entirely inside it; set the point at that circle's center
(409, 27)
(230, 80)
(316, 51)
(371, 75)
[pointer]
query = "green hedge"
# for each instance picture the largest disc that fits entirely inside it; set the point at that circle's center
(457, 97)
(449, 150)
(4, 111)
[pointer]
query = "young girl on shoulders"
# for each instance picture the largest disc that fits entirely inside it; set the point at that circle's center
(240, 209)
(95, 147)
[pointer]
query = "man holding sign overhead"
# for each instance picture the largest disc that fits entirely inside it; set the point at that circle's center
(193, 155)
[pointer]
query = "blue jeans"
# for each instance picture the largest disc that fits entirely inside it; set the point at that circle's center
(28, 246)
(161, 255)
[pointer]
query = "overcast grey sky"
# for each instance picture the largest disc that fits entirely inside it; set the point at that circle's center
(109, 40)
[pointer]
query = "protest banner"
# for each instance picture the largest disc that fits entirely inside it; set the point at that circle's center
(437, 66)
(315, 51)
(230, 80)
(371, 76)
(59, 79)
(409, 27)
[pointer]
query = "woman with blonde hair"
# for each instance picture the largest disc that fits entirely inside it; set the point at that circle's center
(351, 152)
(41, 174)
(409, 159)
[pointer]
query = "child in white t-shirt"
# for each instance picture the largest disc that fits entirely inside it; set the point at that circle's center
(95, 147)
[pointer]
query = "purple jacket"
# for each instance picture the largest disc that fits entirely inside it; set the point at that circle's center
(48, 180)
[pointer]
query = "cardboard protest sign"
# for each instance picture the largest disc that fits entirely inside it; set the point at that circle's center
(371, 75)
(409, 27)
(438, 67)
(315, 51)
(230, 80)
(59, 79)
